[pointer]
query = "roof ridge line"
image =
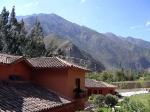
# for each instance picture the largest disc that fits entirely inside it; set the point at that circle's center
(10, 55)
(64, 61)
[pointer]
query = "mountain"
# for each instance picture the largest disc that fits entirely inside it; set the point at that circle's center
(72, 52)
(139, 42)
(111, 50)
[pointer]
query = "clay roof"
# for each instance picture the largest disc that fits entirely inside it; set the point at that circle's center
(27, 97)
(40, 62)
(8, 59)
(98, 84)
(52, 62)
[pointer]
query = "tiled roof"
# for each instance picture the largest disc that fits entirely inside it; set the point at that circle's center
(40, 62)
(51, 62)
(94, 83)
(8, 59)
(27, 97)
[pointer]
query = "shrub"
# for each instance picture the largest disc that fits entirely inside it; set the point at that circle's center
(99, 100)
(111, 100)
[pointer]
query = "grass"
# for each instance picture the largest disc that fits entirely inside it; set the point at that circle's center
(143, 98)
(135, 103)
(104, 109)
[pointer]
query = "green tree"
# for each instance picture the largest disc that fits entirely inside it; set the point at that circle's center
(129, 105)
(13, 20)
(4, 16)
(15, 39)
(91, 98)
(22, 40)
(35, 46)
(98, 100)
(107, 76)
(54, 51)
(111, 100)
(119, 76)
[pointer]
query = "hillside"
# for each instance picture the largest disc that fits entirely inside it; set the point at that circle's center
(70, 50)
(112, 50)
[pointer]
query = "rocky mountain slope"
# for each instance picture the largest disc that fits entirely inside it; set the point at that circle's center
(112, 50)
(73, 53)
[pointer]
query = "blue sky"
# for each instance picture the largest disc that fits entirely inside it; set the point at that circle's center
(122, 17)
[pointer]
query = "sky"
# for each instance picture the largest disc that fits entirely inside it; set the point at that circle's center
(121, 17)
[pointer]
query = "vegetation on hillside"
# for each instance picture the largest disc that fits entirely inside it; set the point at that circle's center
(110, 103)
(72, 53)
(119, 75)
(15, 39)
(136, 103)
(102, 103)
(111, 50)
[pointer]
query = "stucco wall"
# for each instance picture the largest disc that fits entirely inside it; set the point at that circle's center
(21, 69)
(54, 79)
(62, 81)
(59, 80)
(73, 74)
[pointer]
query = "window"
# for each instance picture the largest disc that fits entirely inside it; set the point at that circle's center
(78, 83)
(89, 92)
(14, 77)
(100, 91)
(95, 91)
(111, 91)
(77, 90)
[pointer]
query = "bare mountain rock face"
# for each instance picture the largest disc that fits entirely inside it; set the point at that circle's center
(109, 49)
(73, 53)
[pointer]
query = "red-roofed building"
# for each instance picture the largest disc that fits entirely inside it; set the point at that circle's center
(99, 87)
(64, 78)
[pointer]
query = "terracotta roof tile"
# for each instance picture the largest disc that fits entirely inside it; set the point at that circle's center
(27, 97)
(40, 62)
(95, 83)
(52, 62)
(8, 59)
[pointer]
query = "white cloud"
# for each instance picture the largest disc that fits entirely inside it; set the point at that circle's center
(147, 23)
(144, 27)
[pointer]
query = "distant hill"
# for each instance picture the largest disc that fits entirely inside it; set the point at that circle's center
(111, 50)
(73, 53)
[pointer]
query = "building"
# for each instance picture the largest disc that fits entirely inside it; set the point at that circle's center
(28, 97)
(99, 87)
(26, 81)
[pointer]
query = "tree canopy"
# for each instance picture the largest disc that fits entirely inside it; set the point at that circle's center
(14, 39)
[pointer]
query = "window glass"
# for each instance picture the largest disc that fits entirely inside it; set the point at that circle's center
(77, 83)
(14, 77)
(95, 91)
(100, 91)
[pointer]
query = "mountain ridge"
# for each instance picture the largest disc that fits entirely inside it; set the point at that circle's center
(73, 53)
(112, 50)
